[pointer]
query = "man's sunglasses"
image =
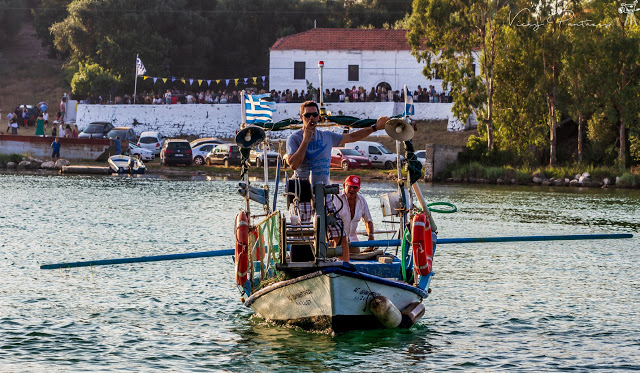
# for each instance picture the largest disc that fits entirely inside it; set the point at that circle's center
(309, 115)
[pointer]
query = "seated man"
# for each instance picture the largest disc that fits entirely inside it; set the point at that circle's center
(354, 209)
(309, 154)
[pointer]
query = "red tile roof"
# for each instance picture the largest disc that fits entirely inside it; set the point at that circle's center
(344, 39)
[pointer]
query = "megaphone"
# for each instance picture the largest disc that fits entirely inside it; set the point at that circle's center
(399, 129)
(250, 137)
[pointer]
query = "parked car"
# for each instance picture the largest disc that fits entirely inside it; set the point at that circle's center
(140, 153)
(226, 154)
(125, 133)
(96, 130)
(422, 156)
(376, 152)
(347, 159)
(176, 151)
(200, 152)
(152, 140)
(207, 140)
(256, 156)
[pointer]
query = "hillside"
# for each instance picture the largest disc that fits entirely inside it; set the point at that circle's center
(27, 74)
(431, 132)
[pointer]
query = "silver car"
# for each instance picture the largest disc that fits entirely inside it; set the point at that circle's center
(152, 140)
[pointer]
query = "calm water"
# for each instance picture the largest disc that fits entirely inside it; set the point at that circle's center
(510, 306)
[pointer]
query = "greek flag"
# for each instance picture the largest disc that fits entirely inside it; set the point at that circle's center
(408, 103)
(258, 109)
(140, 70)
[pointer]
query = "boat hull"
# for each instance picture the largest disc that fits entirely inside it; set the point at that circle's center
(330, 299)
(121, 164)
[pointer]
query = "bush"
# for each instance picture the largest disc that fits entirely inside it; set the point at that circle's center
(628, 180)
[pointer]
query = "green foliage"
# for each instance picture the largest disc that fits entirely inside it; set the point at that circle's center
(92, 79)
(628, 180)
(11, 18)
(6, 158)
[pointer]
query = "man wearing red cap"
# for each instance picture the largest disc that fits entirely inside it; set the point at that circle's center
(354, 209)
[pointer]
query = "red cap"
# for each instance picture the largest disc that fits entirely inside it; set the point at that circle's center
(353, 180)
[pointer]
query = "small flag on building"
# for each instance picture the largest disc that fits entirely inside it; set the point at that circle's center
(408, 103)
(140, 70)
(258, 108)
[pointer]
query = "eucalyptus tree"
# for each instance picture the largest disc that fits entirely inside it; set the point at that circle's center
(618, 64)
(449, 35)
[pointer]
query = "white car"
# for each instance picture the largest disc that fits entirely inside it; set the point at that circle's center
(152, 140)
(422, 156)
(200, 152)
(140, 153)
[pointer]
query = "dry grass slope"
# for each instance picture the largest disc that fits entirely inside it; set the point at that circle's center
(27, 75)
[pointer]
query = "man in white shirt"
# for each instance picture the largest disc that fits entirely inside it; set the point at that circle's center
(354, 209)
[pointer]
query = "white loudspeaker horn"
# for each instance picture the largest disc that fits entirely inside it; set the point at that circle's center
(250, 137)
(399, 129)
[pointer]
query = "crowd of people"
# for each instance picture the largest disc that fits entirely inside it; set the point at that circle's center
(353, 94)
(40, 117)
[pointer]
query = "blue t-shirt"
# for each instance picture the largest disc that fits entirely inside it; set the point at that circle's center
(118, 146)
(317, 159)
(55, 146)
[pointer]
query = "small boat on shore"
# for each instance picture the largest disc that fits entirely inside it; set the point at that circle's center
(124, 164)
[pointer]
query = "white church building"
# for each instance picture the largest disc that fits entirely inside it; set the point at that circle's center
(352, 57)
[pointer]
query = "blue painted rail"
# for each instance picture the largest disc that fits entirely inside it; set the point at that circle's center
(442, 241)
(141, 259)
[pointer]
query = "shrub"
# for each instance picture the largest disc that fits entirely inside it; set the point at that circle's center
(628, 180)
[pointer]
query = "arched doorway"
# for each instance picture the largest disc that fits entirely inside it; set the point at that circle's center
(382, 90)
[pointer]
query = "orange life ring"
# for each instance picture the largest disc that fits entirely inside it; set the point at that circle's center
(422, 244)
(242, 248)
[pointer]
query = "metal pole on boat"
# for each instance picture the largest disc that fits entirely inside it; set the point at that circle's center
(135, 85)
(243, 124)
(320, 67)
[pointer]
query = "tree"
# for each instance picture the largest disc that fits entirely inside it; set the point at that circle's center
(451, 33)
(11, 15)
(92, 79)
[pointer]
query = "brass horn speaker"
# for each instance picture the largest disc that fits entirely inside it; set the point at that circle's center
(399, 129)
(250, 137)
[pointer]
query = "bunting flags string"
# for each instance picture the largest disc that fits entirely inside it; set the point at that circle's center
(211, 82)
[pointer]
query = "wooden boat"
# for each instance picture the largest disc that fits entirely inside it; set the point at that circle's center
(289, 274)
(124, 164)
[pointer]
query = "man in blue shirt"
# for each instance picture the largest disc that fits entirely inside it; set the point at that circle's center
(117, 145)
(309, 155)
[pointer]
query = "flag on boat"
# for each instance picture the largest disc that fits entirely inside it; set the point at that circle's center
(140, 70)
(408, 103)
(259, 108)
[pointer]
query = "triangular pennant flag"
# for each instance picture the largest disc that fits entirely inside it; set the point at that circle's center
(190, 81)
(164, 80)
(183, 81)
(255, 79)
(208, 82)
(263, 78)
(173, 79)
(245, 80)
(227, 82)
(199, 81)
(154, 80)
(144, 77)
(236, 81)
(218, 81)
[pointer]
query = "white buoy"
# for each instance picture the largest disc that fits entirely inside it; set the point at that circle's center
(385, 311)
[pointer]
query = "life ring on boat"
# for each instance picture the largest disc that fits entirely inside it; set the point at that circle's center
(422, 242)
(241, 230)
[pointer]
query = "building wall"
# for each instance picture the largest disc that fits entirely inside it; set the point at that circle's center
(40, 147)
(222, 120)
(394, 67)
(438, 157)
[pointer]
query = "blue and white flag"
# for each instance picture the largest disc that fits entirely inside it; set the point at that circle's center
(258, 109)
(408, 103)
(140, 70)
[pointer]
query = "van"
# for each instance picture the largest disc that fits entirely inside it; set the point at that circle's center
(379, 156)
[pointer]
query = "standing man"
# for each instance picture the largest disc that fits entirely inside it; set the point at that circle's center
(117, 145)
(309, 155)
(354, 209)
(56, 149)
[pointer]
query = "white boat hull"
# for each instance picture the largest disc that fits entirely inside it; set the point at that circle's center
(330, 300)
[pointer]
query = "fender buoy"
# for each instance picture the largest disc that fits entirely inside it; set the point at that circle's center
(422, 244)
(242, 248)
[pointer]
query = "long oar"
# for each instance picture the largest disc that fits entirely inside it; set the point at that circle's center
(141, 259)
(571, 237)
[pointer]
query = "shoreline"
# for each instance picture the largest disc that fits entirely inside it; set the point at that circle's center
(34, 167)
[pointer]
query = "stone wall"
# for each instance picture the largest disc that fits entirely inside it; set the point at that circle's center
(438, 157)
(222, 120)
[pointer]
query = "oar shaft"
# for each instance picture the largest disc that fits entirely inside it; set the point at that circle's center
(442, 241)
(141, 259)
